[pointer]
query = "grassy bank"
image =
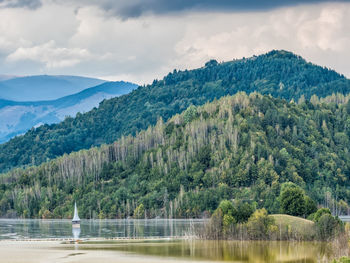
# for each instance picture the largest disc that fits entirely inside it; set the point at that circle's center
(293, 227)
(294, 221)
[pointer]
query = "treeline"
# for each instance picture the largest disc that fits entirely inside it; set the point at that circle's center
(279, 73)
(241, 147)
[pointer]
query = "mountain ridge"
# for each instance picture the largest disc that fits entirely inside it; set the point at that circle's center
(44, 87)
(58, 100)
(279, 73)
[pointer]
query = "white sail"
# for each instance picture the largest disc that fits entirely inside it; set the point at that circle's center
(76, 217)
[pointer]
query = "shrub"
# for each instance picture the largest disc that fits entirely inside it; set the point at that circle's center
(139, 212)
(243, 211)
(320, 212)
(328, 227)
(292, 200)
(310, 206)
(260, 225)
(226, 207)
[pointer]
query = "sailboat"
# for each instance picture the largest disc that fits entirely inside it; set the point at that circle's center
(76, 219)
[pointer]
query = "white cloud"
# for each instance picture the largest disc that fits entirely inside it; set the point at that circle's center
(51, 55)
(85, 40)
(315, 32)
(327, 31)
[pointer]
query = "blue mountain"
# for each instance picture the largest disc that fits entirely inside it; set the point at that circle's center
(43, 87)
(17, 117)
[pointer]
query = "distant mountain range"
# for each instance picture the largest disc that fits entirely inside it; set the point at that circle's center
(43, 87)
(18, 117)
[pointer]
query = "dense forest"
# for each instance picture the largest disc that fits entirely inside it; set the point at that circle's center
(241, 147)
(279, 73)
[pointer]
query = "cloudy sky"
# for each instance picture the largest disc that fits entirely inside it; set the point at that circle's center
(140, 40)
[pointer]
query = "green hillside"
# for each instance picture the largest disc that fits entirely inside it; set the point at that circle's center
(279, 73)
(239, 147)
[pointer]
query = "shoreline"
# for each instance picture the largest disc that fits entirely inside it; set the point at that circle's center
(97, 239)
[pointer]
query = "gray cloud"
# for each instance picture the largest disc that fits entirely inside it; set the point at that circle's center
(31, 4)
(136, 8)
(89, 42)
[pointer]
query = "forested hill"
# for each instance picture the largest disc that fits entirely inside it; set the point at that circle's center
(242, 147)
(279, 73)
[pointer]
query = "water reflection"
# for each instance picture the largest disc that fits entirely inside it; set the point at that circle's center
(76, 232)
(33, 229)
(232, 251)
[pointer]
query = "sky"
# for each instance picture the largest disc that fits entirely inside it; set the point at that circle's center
(142, 40)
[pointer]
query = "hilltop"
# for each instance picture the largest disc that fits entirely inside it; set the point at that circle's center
(279, 73)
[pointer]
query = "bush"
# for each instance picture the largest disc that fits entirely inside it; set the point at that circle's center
(226, 207)
(260, 225)
(227, 219)
(320, 212)
(243, 211)
(325, 227)
(228, 211)
(310, 206)
(311, 217)
(292, 200)
(139, 212)
(328, 227)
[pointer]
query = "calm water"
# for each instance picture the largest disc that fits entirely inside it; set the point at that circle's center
(231, 251)
(197, 250)
(36, 229)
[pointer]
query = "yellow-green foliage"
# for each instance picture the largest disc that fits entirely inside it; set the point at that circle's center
(260, 225)
(139, 212)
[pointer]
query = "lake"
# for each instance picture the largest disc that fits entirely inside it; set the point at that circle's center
(118, 228)
(166, 248)
(231, 251)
